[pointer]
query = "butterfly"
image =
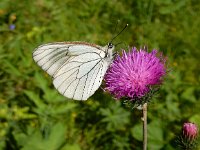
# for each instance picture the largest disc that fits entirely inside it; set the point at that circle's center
(77, 68)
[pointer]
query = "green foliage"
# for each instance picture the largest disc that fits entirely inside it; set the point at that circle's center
(155, 134)
(33, 115)
(115, 117)
(35, 140)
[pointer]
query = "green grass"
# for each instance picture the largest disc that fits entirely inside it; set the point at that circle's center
(34, 116)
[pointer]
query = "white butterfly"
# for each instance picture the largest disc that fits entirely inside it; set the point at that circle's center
(77, 68)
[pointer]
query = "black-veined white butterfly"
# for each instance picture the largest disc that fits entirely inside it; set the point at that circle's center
(77, 68)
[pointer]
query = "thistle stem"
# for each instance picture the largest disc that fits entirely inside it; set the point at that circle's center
(144, 126)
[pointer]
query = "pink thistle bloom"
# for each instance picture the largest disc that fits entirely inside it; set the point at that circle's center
(190, 130)
(134, 73)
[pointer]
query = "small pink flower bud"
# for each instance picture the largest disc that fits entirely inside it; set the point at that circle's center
(190, 131)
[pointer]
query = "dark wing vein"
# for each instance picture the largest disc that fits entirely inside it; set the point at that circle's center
(86, 79)
(70, 84)
(56, 61)
(79, 66)
(84, 61)
(77, 61)
(77, 70)
(76, 87)
(92, 68)
(67, 78)
(84, 87)
(68, 71)
(51, 53)
(57, 55)
(42, 51)
(96, 77)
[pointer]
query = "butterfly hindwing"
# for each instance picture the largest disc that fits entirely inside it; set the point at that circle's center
(78, 84)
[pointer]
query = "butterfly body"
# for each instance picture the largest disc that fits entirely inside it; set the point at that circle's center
(77, 68)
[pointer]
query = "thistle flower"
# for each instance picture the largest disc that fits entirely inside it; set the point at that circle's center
(190, 131)
(134, 73)
(188, 138)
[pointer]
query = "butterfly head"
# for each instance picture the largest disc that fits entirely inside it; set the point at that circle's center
(110, 45)
(109, 50)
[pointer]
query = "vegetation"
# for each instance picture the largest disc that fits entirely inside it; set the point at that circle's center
(34, 116)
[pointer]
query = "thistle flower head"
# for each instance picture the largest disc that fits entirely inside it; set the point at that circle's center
(190, 130)
(189, 137)
(134, 73)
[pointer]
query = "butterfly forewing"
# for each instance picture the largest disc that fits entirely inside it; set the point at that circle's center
(77, 68)
(51, 56)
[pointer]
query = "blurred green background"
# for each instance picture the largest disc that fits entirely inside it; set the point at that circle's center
(34, 116)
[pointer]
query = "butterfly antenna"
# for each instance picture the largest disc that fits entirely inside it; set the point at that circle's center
(119, 33)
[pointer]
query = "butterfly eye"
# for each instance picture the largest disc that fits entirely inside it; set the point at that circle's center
(110, 45)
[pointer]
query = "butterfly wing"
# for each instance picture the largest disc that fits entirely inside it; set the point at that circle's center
(77, 68)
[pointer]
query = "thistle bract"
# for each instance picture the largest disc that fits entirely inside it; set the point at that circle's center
(188, 138)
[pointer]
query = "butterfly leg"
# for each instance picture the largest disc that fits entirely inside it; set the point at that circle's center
(114, 55)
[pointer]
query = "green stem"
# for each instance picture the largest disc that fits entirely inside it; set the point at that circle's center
(144, 126)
